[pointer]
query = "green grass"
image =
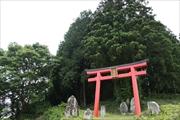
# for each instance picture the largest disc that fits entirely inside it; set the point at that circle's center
(112, 112)
(169, 105)
(170, 110)
(108, 116)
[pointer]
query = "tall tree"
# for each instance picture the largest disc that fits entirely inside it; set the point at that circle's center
(25, 70)
(4, 89)
(68, 74)
(124, 31)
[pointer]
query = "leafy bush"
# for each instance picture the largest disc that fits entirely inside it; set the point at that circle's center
(55, 113)
(36, 109)
(123, 90)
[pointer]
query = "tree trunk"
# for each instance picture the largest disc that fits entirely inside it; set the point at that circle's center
(84, 94)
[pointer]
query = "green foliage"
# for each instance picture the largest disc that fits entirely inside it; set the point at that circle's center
(126, 31)
(79, 117)
(68, 75)
(117, 32)
(36, 109)
(123, 90)
(168, 112)
(5, 119)
(112, 106)
(55, 113)
(24, 76)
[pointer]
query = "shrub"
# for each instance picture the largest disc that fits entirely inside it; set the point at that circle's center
(55, 113)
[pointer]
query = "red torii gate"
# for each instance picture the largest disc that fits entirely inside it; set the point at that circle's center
(114, 74)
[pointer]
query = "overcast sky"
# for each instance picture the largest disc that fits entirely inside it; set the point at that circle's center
(46, 22)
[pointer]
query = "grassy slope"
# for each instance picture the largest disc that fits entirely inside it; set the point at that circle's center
(169, 106)
(112, 111)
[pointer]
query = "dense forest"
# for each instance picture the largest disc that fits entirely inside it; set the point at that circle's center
(118, 32)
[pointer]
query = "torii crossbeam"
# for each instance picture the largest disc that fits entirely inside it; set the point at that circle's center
(132, 67)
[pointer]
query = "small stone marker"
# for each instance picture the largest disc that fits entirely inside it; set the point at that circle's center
(67, 111)
(88, 114)
(72, 107)
(127, 101)
(154, 107)
(132, 106)
(103, 111)
(123, 108)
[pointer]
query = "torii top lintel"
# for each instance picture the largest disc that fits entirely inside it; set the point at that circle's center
(139, 64)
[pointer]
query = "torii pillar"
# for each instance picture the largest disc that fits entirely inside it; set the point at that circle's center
(132, 67)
